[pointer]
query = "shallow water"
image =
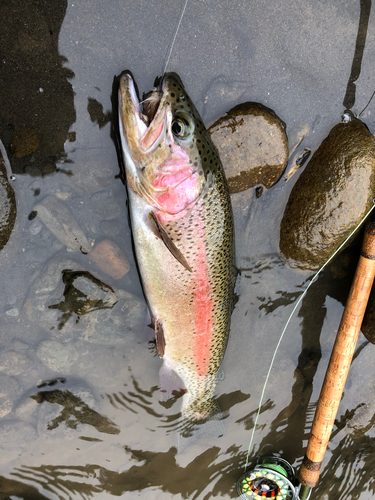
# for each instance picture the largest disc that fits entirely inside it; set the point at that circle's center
(58, 65)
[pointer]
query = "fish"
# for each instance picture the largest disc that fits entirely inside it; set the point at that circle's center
(182, 226)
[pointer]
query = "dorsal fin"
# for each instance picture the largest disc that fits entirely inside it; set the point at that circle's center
(163, 235)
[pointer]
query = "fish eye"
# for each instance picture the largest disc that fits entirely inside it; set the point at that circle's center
(182, 126)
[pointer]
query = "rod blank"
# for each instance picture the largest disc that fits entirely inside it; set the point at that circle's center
(339, 364)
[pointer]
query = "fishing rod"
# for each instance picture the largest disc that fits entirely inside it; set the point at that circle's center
(274, 477)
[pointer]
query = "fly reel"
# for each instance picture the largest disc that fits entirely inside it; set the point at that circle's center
(273, 477)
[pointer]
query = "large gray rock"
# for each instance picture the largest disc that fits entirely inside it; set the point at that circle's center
(252, 144)
(331, 196)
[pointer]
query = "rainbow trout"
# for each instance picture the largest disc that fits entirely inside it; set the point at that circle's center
(182, 227)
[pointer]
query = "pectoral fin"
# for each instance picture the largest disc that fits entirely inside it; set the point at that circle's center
(161, 233)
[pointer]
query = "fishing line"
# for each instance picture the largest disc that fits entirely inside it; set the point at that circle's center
(175, 36)
(366, 104)
(288, 321)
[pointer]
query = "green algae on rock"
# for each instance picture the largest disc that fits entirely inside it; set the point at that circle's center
(252, 144)
(331, 196)
(8, 208)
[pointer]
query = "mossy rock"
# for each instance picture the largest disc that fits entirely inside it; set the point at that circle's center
(332, 195)
(252, 145)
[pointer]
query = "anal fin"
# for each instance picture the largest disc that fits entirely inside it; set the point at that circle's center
(171, 385)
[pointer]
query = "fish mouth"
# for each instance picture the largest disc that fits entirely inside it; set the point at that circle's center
(143, 124)
(151, 100)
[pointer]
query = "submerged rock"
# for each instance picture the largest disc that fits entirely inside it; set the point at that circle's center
(110, 258)
(58, 357)
(104, 206)
(331, 196)
(252, 144)
(15, 434)
(59, 220)
(74, 304)
(6, 406)
(83, 294)
(14, 363)
(100, 365)
(8, 208)
(64, 412)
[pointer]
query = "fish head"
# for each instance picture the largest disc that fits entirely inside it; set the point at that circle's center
(167, 151)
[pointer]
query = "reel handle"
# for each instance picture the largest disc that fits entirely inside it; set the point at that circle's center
(339, 364)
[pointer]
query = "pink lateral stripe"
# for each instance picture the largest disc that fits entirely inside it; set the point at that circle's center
(203, 308)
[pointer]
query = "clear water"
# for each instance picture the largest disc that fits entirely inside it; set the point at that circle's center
(294, 57)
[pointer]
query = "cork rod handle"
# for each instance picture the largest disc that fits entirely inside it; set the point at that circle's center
(340, 361)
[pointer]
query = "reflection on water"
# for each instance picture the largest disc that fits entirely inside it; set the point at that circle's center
(37, 106)
(78, 302)
(147, 473)
(74, 411)
(80, 415)
(347, 472)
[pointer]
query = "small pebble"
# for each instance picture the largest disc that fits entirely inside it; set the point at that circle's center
(110, 258)
(35, 227)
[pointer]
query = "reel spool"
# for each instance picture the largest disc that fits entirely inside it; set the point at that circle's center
(273, 477)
